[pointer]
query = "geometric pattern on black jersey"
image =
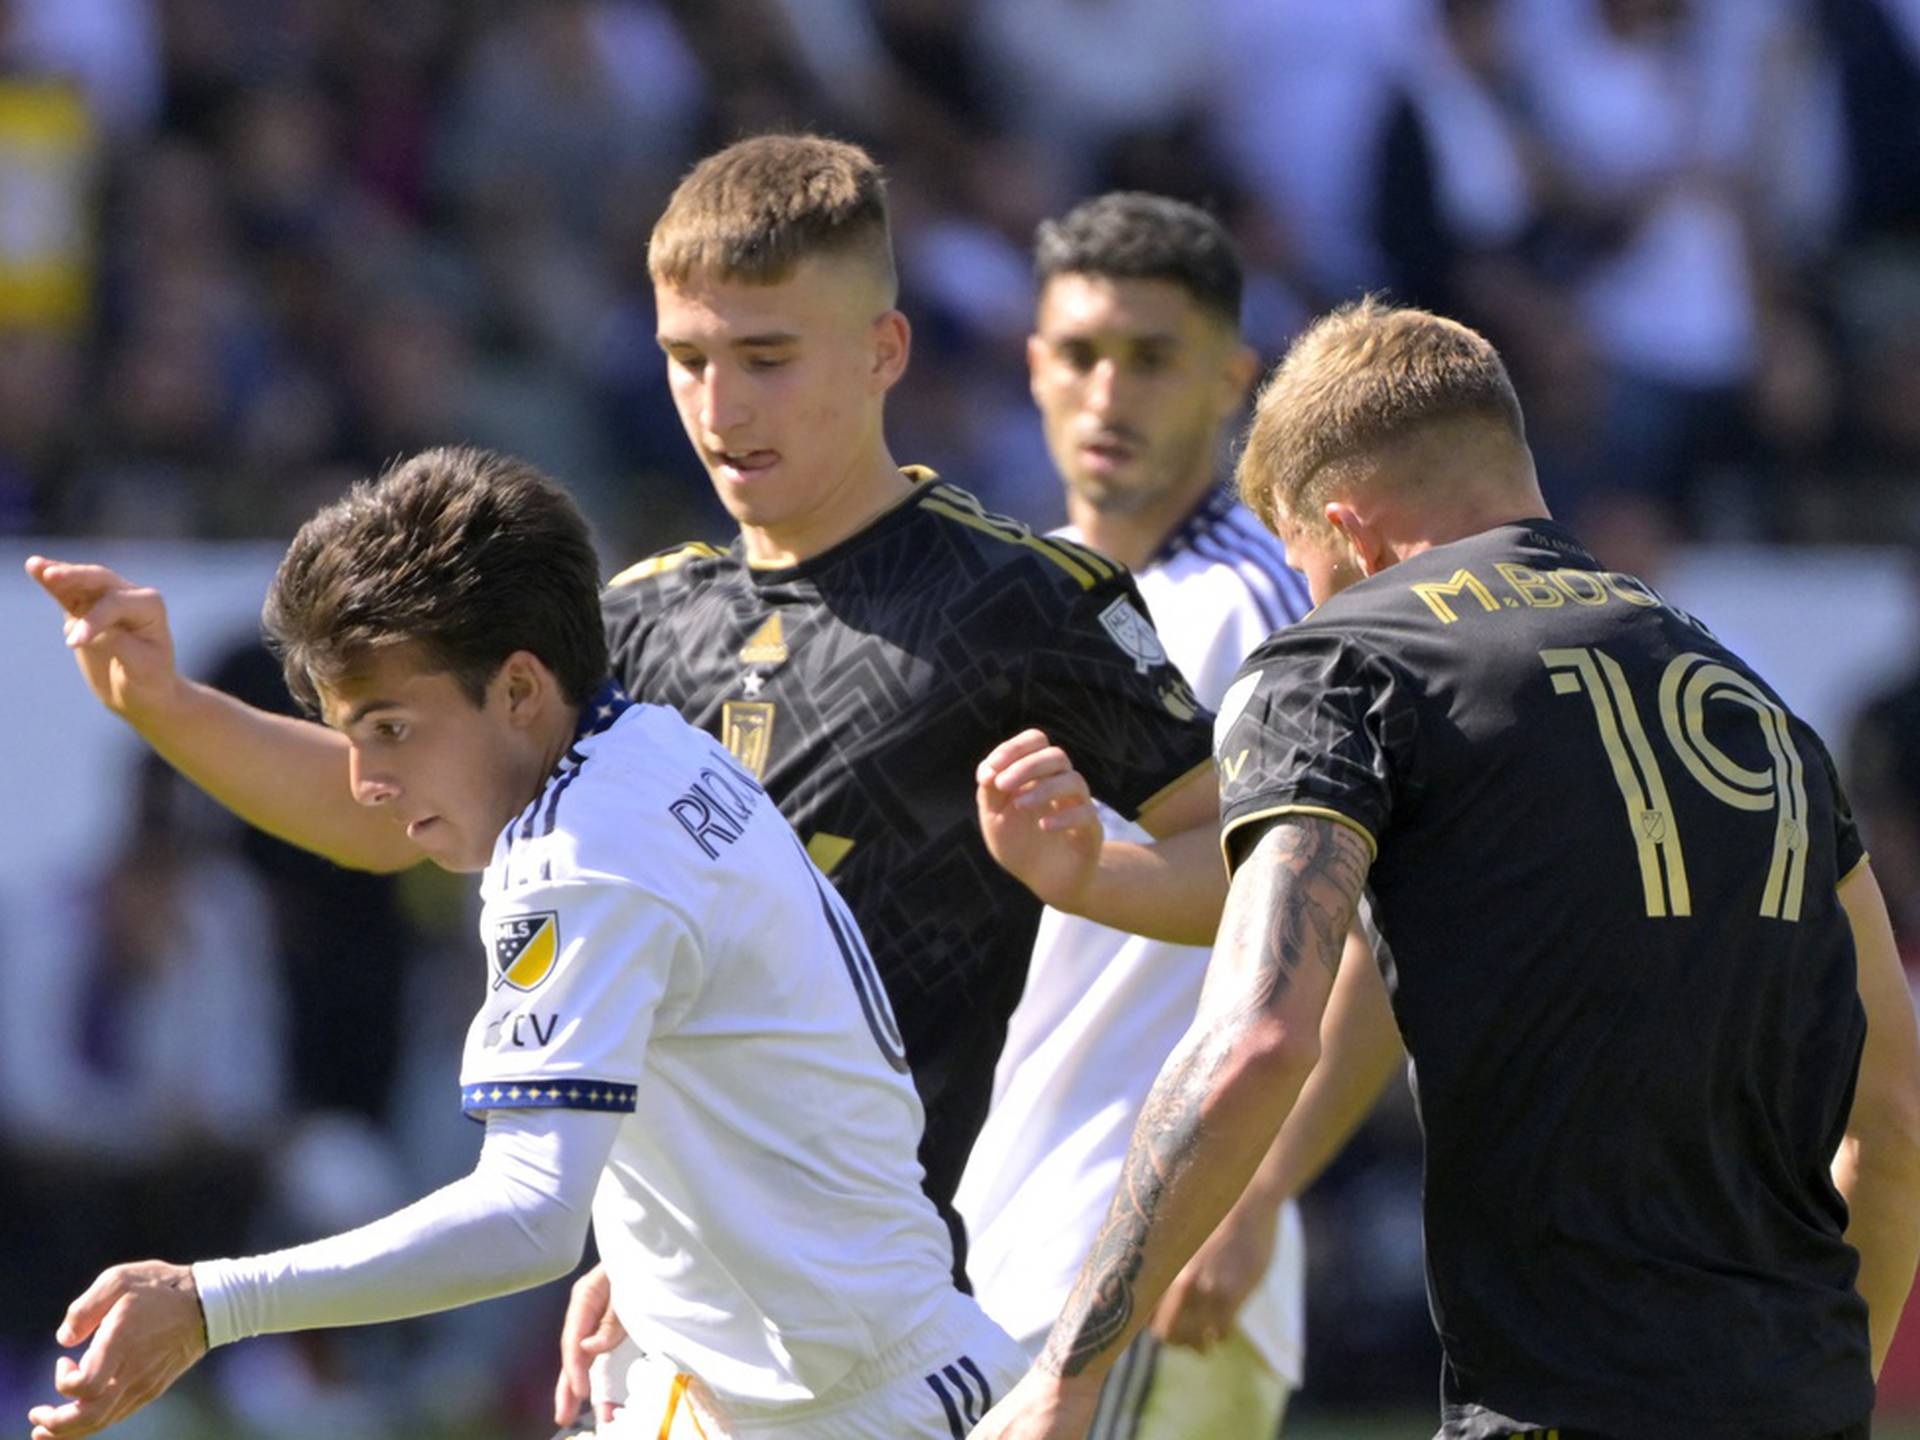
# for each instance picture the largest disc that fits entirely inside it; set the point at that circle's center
(907, 652)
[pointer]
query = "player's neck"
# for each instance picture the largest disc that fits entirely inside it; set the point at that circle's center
(865, 493)
(1133, 537)
(555, 738)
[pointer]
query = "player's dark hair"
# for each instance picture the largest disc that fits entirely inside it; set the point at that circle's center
(755, 210)
(1130, 235)
(468, 554)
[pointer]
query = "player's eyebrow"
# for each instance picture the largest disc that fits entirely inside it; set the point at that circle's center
(1068, 334)
(739, 342)
(360, 712)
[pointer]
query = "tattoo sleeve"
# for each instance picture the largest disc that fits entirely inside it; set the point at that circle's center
(1210, 1116)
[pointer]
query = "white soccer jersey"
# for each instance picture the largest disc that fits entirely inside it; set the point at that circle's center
(661, 947)
(1102, 1009)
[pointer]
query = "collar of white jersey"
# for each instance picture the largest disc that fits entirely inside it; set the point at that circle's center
(606, 704)
(603, 707)
(1213, 508)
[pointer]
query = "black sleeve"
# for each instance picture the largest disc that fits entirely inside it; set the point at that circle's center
(628, 620)
(1848, 848)
(1315, 723)
(1102, 686)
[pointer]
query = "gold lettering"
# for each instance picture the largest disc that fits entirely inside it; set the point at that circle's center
(1629, 588)
(1232, 765)
(1595, 594)
(1530, 586)
(1436, 593)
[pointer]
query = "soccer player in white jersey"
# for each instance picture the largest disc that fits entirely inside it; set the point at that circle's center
(1137, 367)
(680, 1032)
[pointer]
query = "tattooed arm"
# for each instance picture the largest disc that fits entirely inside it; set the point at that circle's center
(1211, 1115)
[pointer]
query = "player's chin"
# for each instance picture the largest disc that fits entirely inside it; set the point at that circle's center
(458, 859)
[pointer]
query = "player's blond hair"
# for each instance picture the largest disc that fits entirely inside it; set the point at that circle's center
(1365, 376)
(755, 210)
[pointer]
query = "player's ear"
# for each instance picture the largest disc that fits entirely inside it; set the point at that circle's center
(892, 344)
(1036, 360)
(1365, 544)
(1237, 374)
(526, 686)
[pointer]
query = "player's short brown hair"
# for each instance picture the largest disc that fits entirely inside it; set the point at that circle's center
(468, 554)
(755, 210)
(1362, 377)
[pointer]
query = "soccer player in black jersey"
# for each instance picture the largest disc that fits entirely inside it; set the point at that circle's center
(867, 638)
(1665, 1054)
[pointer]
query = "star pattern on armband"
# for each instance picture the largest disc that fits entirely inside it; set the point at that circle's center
(603, 1095)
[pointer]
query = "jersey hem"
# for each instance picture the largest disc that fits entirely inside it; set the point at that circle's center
(1853, 869)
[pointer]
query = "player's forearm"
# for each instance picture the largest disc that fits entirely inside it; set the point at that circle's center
(1360, 1051)
(519, 1220)
(1224, 1093)
(1171, 889)
(286, 776)
(1877, 1168)
(1203, 1130)
(1878, 1172)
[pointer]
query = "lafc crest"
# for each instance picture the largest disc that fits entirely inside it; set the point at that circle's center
(1133, 633)
(524, 949)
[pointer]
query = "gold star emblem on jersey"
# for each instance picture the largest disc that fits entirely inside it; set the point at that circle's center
(524, 948)
(767, 646)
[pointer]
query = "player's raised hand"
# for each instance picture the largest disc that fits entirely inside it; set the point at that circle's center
(1038, 817)
(118, 633)
(1202, 1305)
(147, 1331)
(590, 1331)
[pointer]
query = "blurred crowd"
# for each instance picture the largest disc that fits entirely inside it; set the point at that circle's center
(250, 251)
(247, 250)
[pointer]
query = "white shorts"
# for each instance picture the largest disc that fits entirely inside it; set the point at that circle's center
(936, 1383)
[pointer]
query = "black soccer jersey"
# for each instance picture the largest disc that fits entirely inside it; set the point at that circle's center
(1606, 860)
(864, 685)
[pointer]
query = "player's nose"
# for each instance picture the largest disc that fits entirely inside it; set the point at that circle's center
(723, 407)
(369, 787)
(1103, 387)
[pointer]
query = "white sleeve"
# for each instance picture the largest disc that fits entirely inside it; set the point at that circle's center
(581, 972)
(520, 1219)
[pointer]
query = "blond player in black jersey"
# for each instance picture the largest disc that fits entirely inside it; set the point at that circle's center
(1666, 1057)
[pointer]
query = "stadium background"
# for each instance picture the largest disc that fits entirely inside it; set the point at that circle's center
(249, 249)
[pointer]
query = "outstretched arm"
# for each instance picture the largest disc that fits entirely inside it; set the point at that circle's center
(518, 1220)
(286, 776)
(1041, 825)
(1878, 1166)
(1212, 1114)
(1360, 1050)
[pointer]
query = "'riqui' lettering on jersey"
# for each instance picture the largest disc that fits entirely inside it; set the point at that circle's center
(861, 688)
(1606, 861)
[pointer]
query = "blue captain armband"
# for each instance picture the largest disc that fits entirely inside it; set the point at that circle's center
(602, 1095)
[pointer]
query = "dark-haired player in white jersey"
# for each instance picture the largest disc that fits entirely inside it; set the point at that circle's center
(1137, 367)
(1666, 1058)
(681, 1033)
